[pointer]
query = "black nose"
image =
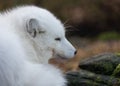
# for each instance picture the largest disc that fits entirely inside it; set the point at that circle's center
(75, 52)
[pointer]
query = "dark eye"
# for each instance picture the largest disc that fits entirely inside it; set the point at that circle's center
(58, 39)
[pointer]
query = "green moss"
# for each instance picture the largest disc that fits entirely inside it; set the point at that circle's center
(119, 82)
(110, 81)
(117, 54)
(117, 70)
(91, 83)
(98, 79)
(106, 66)
(109, 36)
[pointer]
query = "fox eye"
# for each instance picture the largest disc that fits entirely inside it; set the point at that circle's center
(58, 39)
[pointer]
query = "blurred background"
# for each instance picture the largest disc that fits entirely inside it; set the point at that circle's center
(93, 26)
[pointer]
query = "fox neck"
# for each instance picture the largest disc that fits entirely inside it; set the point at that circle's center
(34, 53)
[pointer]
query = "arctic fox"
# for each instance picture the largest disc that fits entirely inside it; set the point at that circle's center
(29, 37)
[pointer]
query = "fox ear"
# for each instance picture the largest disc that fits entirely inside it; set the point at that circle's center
(33, 27)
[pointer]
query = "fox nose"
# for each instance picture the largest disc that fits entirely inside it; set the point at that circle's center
(75, 52)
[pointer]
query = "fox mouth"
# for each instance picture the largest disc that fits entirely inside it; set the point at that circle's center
(58, 58)
(61, 57)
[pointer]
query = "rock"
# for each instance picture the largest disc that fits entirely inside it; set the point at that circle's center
(100, 70)
(86, 78)
(101, 64)
(116, 72)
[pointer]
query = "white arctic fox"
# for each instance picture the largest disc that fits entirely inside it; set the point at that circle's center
(29, 37)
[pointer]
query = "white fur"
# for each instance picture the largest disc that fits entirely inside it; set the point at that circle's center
(24, 55)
